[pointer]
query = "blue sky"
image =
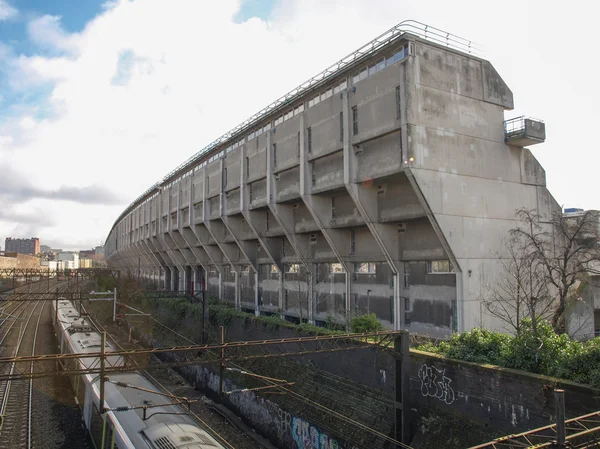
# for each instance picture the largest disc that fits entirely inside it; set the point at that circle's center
(74, 15)
(100, 100)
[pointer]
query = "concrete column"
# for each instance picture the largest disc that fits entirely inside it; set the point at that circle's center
(365, 200)
(226, 251)
(256, 302)
(320, 210)
(233, 224)
(238, 296)
(220, 285)
(253, 218)
(283, 213)
(281, 293)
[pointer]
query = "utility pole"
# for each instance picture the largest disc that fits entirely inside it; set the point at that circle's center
(561, 431)
(115, 306)
(102, 368)
(222, 363)
(402, 384)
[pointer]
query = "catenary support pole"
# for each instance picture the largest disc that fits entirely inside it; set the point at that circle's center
(402, 383)
(222, 365)
(561, 432)
(102, 368)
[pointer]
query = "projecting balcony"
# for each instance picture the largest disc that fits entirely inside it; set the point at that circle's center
(524, 131)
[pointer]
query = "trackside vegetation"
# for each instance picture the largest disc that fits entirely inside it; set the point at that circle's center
(541, 352)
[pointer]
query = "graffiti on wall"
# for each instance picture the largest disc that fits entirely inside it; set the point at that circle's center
(434, 383)
(308, 437)
(291, 431)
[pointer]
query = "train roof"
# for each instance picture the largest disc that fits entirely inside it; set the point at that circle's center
(165, 426)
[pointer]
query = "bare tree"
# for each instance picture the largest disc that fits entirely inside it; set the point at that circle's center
(520, 290)
(567, 249)
(297, 281)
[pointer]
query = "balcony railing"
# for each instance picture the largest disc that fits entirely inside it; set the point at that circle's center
(523, 131)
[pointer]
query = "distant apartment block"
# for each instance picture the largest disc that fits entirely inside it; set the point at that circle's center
(22, 246)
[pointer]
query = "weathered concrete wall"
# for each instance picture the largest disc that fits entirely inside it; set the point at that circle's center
(359, 384)
(19, 261)
(497, 397)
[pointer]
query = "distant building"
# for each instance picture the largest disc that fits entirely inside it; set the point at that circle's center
(68, 261)
(85, 263)
(583, 317)
(22, 246)
(45, 248)
(86, 254)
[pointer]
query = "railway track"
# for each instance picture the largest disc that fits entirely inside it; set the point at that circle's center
(21, 321)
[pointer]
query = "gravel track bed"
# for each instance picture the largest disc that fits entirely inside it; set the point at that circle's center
(179, 386)
(56, 420)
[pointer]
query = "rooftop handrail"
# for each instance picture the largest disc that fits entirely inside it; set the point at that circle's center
(413, 27)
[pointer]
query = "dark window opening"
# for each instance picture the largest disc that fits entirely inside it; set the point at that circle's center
(354, 120)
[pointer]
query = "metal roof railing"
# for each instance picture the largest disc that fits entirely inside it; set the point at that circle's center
(412, 27)
(517, 124)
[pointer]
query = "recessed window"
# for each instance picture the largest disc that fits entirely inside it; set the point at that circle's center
(398, 102)
(274, 155)
(333, 208)
(292, 268)
(336, 268)
(439, 266)
(309, 138)
(341, 126)
(364, 268)
(352, 242)
(354, 120)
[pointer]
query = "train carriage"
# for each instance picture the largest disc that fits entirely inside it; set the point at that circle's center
(160, 427)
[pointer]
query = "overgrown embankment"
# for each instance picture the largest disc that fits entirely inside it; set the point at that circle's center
(539, 351)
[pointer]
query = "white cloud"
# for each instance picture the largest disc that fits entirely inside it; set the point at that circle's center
(148, 83)
(47, 32)
(6, 11)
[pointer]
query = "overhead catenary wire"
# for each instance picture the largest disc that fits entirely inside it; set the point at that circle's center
(306, 400)
(212, 431)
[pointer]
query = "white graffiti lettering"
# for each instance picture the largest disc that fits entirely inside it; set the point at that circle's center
(434, 383)
(308, 437)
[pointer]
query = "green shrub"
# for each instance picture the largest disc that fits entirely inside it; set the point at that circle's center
(366, 323)
(541, 351)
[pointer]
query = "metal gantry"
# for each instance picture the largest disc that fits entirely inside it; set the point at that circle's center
(123, 360)
(582, 432)
(81, 273)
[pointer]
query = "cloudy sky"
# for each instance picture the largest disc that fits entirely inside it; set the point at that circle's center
(98, 100)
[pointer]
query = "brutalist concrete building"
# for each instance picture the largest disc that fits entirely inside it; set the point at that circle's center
(383, 185)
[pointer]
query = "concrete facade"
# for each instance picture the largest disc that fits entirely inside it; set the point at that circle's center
(384, 188)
